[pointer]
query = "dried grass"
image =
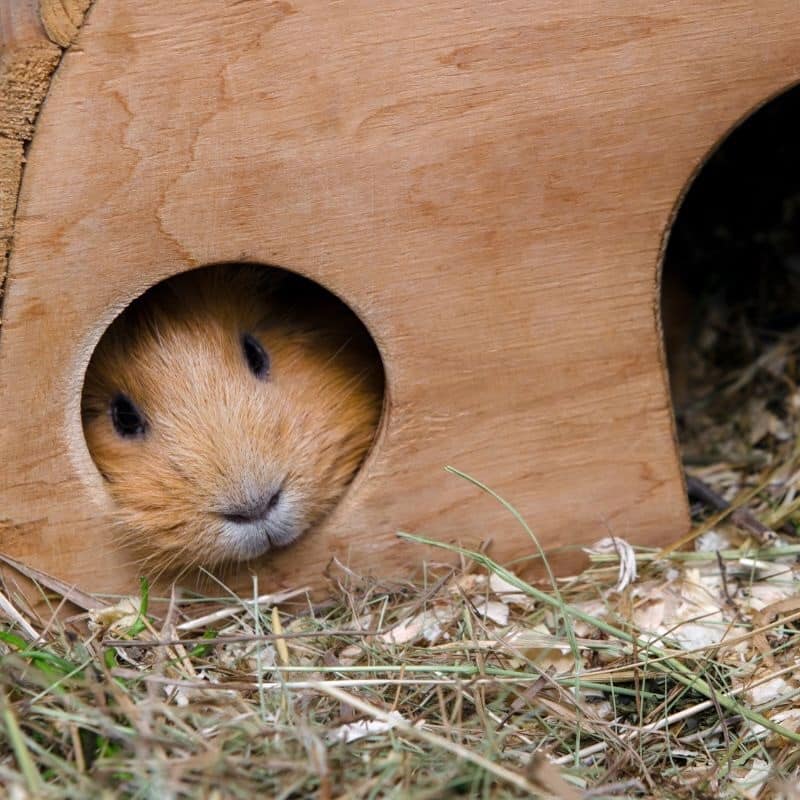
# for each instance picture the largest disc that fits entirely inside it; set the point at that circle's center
(676, 682)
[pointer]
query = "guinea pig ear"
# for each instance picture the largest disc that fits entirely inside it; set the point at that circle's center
(272, 281)
(284, 291)
(251, 278)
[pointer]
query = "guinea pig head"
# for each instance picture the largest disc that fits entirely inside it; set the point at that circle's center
(228, 418)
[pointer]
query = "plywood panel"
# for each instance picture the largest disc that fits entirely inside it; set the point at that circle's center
(488, 191)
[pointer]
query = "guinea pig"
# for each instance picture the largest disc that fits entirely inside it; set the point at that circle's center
(228, 410)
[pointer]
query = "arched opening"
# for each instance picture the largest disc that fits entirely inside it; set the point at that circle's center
(731, 298)
(228, 409)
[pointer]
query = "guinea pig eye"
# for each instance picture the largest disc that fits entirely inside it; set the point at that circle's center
(126, 418)
(256, 356)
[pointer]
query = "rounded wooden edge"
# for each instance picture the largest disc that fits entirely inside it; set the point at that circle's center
(33, 37)
(696, 170)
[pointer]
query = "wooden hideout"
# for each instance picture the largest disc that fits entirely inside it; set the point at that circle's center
(489, 186)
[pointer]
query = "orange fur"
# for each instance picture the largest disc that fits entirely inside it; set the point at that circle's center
(216, 433)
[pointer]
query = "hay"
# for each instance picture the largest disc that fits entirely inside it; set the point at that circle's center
(675, 682)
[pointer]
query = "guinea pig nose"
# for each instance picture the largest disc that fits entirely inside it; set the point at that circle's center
(254, 510)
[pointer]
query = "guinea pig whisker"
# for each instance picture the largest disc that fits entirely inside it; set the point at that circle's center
(336, 353)
(178, 469)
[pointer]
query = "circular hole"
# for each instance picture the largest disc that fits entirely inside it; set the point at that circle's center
(731, 296)
(228, 409)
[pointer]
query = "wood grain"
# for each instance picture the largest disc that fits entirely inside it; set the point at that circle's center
(27, 60)
(62, 19)
(32, 35)
(490, 193)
